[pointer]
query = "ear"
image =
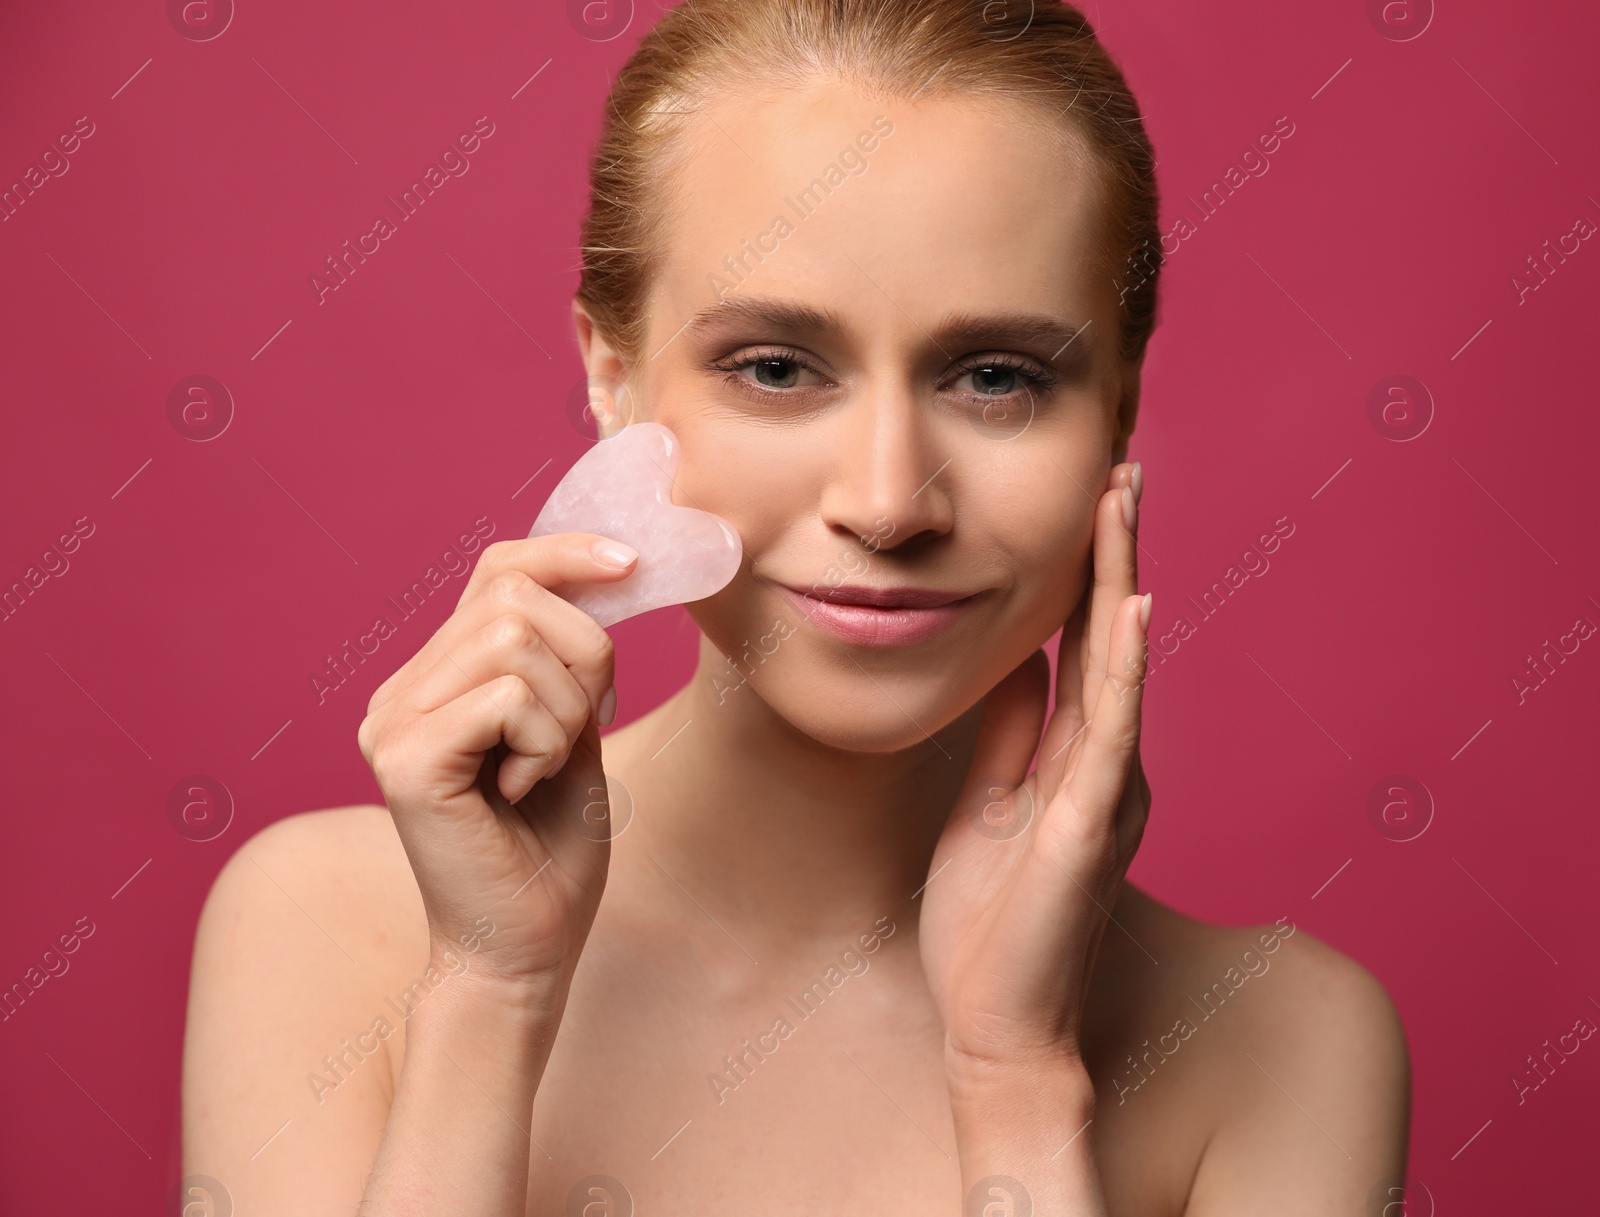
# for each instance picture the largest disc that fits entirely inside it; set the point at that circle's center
(611, 399)
(1127, 410)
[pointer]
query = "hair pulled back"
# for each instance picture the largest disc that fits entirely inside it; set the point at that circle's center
(1039, 52)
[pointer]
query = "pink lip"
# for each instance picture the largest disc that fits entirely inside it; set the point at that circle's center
(879, 617)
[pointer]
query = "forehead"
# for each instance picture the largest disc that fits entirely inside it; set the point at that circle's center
(882, 208)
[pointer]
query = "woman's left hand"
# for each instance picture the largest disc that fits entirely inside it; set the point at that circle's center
(1028, 868)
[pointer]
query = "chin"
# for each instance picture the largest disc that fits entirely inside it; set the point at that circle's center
(853, 712)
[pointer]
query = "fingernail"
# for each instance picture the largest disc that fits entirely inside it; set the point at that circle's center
(1130, 509)
(1138, 480)
(614, 554)
(1144, 612)
(608, 706)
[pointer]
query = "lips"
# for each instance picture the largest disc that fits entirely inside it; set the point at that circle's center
(880, 617)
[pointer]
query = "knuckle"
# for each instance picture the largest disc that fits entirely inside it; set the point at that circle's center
(388, 766)
(513, 632)
(513, 693)
(508, 586)
(494, 556)
(600, 654)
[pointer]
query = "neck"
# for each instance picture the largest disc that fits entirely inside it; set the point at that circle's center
(766, 826)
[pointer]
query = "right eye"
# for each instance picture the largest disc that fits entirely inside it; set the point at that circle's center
(769, 373)
(775, 373)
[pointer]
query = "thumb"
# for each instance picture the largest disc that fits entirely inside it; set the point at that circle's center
(1008, 736)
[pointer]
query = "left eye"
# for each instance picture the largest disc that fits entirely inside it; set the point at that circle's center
(775, 373)
(992, 380)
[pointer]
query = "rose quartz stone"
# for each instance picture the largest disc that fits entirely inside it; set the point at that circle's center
(622, 489)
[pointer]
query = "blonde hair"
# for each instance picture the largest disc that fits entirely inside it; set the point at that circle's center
(1041, 52)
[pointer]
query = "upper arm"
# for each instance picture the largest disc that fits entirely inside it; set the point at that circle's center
(1316, 1114)
(304, 932)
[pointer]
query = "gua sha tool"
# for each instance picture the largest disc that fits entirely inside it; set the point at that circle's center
(622, 489)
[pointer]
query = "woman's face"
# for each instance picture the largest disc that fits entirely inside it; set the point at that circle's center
(886, 335)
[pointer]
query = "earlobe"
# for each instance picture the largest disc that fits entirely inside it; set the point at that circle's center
(610, 394)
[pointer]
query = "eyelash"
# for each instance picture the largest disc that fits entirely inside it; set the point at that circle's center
(1041, 379)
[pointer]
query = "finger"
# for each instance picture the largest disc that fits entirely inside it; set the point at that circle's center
(563, 557)
(440, 753)
(1115, 572)
(1066, 722)
(1008, 735)
(571, 633)
(508, 645)
(1112, 739)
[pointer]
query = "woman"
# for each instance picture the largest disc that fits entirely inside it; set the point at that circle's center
(865, 943)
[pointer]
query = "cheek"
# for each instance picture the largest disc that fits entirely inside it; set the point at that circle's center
(1052, 559)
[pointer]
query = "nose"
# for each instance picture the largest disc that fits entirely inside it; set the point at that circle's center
(890, 483)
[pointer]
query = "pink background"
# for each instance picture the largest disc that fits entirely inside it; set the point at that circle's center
(370, 430)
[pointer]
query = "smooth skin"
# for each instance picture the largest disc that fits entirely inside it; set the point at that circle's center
(989, 996)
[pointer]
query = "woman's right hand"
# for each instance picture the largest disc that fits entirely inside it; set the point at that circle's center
(486, 745)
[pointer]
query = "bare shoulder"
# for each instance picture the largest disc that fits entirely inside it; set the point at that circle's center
(308, 924)
(322, 887)
(1297, 1054)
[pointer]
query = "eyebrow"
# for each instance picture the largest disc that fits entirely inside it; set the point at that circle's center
(956, 329)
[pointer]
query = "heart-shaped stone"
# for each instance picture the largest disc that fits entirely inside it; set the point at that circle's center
(622, 489)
